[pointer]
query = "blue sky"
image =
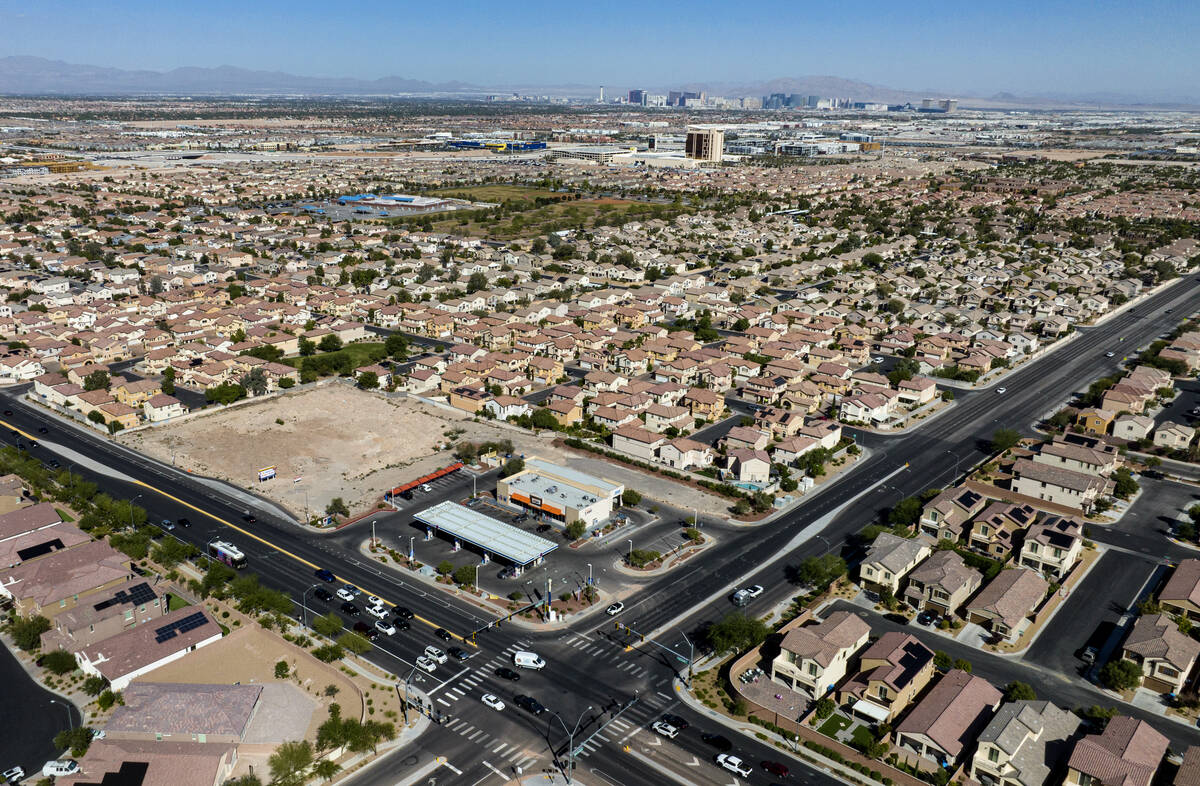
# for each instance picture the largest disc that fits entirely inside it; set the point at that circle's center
(1064, 46)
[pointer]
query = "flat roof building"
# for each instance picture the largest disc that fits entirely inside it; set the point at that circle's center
(560, 493)
(489, 535)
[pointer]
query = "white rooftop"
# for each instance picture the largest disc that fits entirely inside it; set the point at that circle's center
(484, 532)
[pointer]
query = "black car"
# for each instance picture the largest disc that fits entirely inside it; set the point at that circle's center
(249, 518)
(323, 595)
(458, 653)
(401, 624)
(366, 631)
(8, 412)
(443, 634)
(53, 464)
(718, 741)
(926, 618)
(324, 575)
(675, 720)
(351, 609)
(505, 673)
(185, 522)
(529, 704)
(43, 430)
(402, 613)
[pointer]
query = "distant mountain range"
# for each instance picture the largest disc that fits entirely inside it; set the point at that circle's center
(38, 76)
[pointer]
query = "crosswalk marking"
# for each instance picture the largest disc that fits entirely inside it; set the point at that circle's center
(500, 748)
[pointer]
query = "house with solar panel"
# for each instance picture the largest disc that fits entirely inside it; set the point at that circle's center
(128, 655)
(104, 614)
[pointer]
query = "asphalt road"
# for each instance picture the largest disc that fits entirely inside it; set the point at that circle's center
(680, 602)
(29, 719)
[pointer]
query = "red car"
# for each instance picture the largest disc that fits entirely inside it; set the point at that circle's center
(775, 768)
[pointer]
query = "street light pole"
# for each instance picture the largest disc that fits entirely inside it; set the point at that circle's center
(135, 499)
(570, 739)
(589, 574)
(374, 540)
(304, 604)
(631, 553)
(691, 657)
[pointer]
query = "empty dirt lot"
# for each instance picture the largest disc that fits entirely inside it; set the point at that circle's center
(341, 442)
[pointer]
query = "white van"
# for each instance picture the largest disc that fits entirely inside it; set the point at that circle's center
(528, 660)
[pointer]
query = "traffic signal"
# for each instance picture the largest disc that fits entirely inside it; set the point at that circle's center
(643, 637)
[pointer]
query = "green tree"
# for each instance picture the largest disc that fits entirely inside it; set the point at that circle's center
(1124, 485)
(942, 661)
(328, 625)
(640, 558)
(1019, 691)
(962, 664)
(630, 497)
(352, 642)
(907, 512)
(575, 530)
(307, 347)
(736, 632)
(512, 467)
(225, 393)
(282, 670)
(326, 769)
(59, 661)
(337, 507)
(543, 418)
(445, 567)
(290, 762)
(94, 685)
(368, 380)
(1121, 675)
(77, 740)
(825, 707)
(820, 572)
(27, 631)
(168, 383)
(465, 576)
(476, 282)
(254, 381)
(1005, 439)
(396, 346)
(330, 342)
(97, 380)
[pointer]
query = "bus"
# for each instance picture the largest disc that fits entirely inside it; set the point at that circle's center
(228, 553)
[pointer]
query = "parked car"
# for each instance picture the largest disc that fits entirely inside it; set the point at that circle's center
(493, 701)
(733, 764)
(926, 618)
(323, 595)
(1089, 655)
(326, 575)
(59, 768)
(167, 524)
(665, 729)
(14, 775)
(615, 609)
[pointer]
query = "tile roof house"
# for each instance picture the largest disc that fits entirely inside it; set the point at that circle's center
(126, 656)
(1078, 490)
(61, 580)
(945, 516)
(1023, 744)
(150, 763)
(892, 672)
(127, 605)
(177, 711)
(1165, 654)
(889, 559)
(813, 659)
(1127, 753)
(947, 720)
(942, 583)
(1004, 606)
(1053, 547)
(1181, 595)
(1189, 769)
(997, 530)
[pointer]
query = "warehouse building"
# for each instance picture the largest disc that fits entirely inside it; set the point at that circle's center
(560, 494)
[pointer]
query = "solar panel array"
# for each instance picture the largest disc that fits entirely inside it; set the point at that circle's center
(134, 596)
(190, 622)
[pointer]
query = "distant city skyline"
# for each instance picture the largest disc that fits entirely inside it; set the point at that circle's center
(1070, 47)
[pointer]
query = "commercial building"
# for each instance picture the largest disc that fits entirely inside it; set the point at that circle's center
(705, 144)
(596, 154)
(561, 494)
(491, 536)
(637, 97)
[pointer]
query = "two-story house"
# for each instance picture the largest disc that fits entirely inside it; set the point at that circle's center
(813, 659)
(999, 529)
(1004, 606)
(1053, 547)
(891, 673)
(948, 717)
(889, 560)
(1128, 753)
(946, 515)
(1024, 744)
(1181, 595)
(1166, 655)
(942, 583)
(1078, 490)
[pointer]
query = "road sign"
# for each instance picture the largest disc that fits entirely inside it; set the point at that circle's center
(266, 473)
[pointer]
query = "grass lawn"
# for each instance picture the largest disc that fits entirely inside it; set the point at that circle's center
(497, 193)
(175, 602)
(836, 723)
(363, 353)
(65, 516)
(862, 735)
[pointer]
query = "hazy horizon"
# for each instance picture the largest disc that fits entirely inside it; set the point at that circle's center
(1025, 48)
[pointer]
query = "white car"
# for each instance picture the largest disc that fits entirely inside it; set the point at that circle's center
(425, 487)
(345, 594)
(1001, 390)
(492, 701)
(665, 729)
(59, 768)
(374, 600)
(385, 627)
(754, 591)
(15, 775)
(378, 611)
(433, 653)
(877, 359)
(615, 609)
(733, 764)
(427, 664)
(1109, 354)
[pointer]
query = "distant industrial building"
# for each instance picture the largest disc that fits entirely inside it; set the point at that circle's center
(939, 105)
(400, 203)
(497, 145)
(561, 494)
(598, 154)
(705, 144)
(681, 98)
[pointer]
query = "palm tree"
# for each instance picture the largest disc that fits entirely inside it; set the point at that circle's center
(325, 769)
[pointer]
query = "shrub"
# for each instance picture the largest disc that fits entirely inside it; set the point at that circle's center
(59, 662)
(282, 670)
(329, 653)
(107, 700)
